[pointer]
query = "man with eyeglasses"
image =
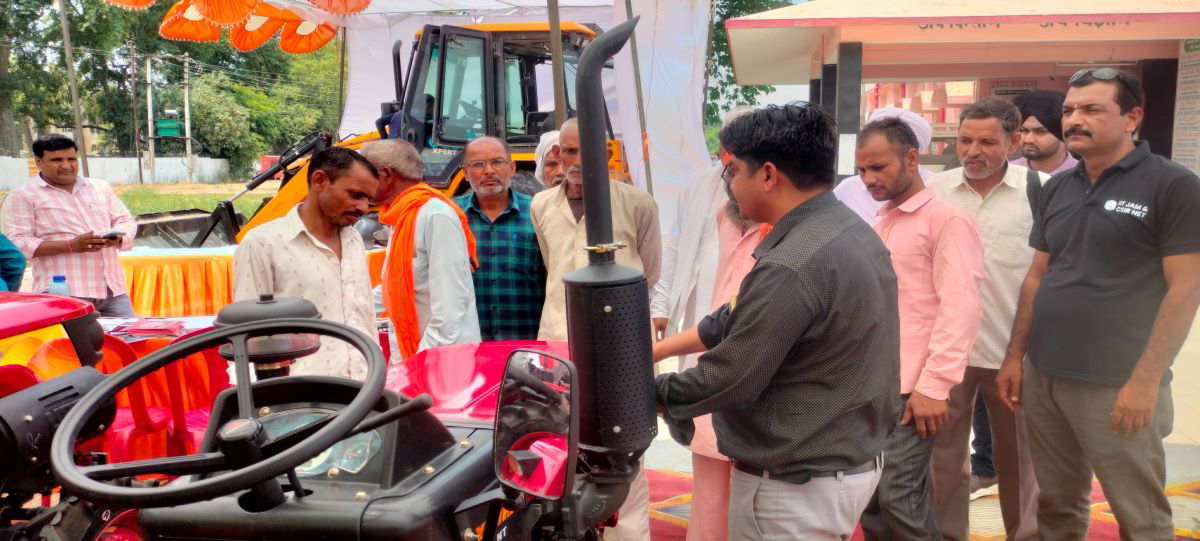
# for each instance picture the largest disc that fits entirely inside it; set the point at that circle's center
(802, 368)
(510, 283)
(1104, 309)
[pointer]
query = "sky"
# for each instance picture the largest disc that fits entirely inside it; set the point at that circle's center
(784, 94)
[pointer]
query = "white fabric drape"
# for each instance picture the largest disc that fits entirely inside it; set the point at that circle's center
(672, 42)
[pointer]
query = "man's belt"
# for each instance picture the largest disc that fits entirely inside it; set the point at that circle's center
(802, 477)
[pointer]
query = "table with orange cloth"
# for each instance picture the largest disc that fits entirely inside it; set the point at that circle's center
(186, 282)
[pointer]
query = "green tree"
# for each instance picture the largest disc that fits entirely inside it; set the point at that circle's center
(313, 84)
(722, 87)
(274, 118)
(221, 126)
(278, 97)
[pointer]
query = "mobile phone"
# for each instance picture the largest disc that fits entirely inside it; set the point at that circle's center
(113, 235)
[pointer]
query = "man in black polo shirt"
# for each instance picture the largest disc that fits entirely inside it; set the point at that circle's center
(1106, 305)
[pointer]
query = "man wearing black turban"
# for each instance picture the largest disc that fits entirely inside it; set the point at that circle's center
(1042, 146)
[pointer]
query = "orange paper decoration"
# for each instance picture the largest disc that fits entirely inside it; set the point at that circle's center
(264, 22)
(183, 22)
(341, 7)
(225, 12)
(131, 4)
(301, 37)
(266, 9)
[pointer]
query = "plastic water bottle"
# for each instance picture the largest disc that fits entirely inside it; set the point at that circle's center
(58, 286)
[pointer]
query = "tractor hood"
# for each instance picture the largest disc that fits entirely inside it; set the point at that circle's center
(462, 379)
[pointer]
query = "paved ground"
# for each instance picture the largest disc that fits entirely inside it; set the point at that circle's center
(1183, 457)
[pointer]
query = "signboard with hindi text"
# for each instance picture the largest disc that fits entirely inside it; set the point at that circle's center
(1186, 146)
(1009, 89)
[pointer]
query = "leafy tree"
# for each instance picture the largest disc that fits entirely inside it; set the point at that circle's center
(111, 45)
(221, 126)
(273, 118)
(723, 90)
(313, 84)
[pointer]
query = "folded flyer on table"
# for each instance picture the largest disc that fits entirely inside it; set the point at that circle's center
(155, 327)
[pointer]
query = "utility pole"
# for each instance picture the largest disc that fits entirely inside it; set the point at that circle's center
(69, 56)
(137, 122)
(641, 109)
(189, 160)
(556, 64)
(150, 116)
(342, 79)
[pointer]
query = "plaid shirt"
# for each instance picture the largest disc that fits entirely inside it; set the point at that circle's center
(510, 283)
(38, 211)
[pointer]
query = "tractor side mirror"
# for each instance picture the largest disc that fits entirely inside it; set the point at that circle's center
(537, 425)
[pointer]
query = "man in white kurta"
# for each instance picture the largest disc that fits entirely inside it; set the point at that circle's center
(558, 219)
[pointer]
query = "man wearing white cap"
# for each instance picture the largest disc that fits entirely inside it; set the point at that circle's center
(549, 170)
(853, 193)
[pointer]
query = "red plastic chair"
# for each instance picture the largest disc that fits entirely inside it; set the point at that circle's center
(192, 386)
(139, 429)
(15, 377)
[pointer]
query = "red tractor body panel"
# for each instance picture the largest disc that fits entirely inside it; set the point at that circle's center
(462, 379)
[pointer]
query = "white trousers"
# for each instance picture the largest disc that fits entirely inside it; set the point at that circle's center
(633, 523)
(824, 508)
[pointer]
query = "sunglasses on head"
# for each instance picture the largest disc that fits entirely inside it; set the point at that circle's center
(1100, 74)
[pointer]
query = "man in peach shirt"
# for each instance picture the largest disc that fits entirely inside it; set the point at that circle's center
(938, 258)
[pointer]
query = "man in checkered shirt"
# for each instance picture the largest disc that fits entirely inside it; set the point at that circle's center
(73, 226)
(510, 283)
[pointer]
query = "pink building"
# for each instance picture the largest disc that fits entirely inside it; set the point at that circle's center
(933, 57)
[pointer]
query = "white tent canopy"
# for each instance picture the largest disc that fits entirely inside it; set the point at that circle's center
(672, 42)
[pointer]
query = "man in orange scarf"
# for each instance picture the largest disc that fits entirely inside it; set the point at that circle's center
(427, 287)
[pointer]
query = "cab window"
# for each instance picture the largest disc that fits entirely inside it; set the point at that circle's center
(462, 108)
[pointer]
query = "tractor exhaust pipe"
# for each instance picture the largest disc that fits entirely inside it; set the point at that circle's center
(608, 318)
(589, 89)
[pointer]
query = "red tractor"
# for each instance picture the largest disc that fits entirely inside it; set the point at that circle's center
(474, 442)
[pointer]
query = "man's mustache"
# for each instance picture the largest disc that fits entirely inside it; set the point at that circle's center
(1077, 131)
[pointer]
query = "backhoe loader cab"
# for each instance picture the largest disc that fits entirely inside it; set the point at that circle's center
(476, 80)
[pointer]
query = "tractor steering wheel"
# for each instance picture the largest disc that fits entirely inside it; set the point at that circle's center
(242, 446)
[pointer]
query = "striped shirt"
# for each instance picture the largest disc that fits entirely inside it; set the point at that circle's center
(510, 283)
(38, 211)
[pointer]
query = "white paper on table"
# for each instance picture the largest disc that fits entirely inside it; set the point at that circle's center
(846, 144)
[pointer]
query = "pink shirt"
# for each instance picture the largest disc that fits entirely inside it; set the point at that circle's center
(938, 258)
(38, 211)
(736, 249)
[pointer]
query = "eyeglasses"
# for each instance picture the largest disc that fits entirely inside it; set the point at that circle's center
(1102, 74)
(497, 163)
(727, 172)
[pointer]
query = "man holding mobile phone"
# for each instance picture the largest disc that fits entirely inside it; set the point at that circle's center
(72, 226)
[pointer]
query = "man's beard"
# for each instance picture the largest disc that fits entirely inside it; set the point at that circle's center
(986, 173)
(1034, 153)
(733, 211)
(575, 175)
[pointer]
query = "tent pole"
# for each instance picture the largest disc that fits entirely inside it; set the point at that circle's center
(556, 59)
(342, 79)
(641, 109)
